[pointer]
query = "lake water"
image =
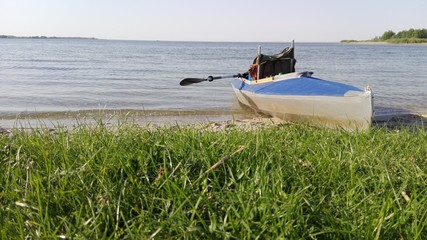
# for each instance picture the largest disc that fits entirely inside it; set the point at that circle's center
(70, 75)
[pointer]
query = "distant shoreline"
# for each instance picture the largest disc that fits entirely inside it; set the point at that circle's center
(418, 41)
(378, 43)
(43, 37)
(362, 42)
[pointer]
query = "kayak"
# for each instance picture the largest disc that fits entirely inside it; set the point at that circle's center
(300, 97)
(273, 87)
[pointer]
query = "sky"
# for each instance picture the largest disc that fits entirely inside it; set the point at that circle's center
(213, 20)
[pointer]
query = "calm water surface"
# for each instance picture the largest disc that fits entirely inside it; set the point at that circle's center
(62, 75)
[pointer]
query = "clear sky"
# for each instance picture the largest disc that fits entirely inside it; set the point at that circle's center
(213, 20)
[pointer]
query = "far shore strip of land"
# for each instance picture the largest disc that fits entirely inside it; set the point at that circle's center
(380, 42)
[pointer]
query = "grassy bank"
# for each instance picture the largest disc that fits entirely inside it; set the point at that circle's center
(287, 181)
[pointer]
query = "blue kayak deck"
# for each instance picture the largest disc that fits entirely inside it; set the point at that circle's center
(306, 86)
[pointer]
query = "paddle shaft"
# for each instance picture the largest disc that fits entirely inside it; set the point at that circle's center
(188, 81)
(210, 78)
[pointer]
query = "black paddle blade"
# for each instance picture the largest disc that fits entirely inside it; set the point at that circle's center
(188, 81)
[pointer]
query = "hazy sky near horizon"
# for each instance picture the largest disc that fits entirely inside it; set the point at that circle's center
(219, 20)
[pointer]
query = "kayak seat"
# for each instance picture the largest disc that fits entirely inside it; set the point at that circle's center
(281, 63)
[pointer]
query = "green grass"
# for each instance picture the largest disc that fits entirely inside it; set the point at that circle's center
(288, 181)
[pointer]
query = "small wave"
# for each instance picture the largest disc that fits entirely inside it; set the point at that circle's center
(48, 68)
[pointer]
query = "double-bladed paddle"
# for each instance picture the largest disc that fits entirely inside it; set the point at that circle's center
(188, 81)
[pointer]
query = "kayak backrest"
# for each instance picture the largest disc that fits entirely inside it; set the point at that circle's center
(281, 63)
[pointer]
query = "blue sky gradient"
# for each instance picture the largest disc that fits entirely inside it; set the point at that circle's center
(219, 20)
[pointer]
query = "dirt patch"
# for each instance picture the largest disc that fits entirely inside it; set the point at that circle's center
(244, 124)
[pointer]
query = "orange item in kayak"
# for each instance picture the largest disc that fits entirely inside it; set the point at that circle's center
(253, 71)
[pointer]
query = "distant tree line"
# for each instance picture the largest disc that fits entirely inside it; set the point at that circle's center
(411, 33)
(36, 37)
(43, 37)
(405, 36)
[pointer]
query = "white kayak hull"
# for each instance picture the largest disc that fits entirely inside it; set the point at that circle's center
(352, 111)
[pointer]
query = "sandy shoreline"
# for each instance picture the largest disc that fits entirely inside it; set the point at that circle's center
(154, 118)
(214, 121)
